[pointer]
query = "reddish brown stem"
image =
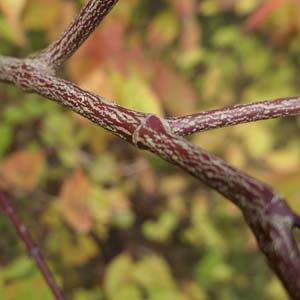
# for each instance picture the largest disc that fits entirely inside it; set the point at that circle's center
(122, 121)
(234, 115)
(32, 249)
(77, 32)
(266, 212)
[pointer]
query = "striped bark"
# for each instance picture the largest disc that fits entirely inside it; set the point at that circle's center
(265, 211)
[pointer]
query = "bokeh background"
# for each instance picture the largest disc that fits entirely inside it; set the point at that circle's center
(117, 223)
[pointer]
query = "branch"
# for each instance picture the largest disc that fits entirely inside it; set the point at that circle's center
(234, 115)
(27, 75)
(122, 121)
(266, 212)
(77, 32)
(32, 249)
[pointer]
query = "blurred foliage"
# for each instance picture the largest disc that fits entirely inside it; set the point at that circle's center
(116, 223)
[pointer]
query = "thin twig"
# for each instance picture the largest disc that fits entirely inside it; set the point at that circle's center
(32, 249)
(234, 115)
(77, 32)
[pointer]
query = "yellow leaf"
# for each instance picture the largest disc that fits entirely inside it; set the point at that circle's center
(284, 160)
(56, 15)
(135, 93)
(12, 11)
(79, 251)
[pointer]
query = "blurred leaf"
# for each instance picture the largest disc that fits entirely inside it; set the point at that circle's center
(158, 287)
(162, 228)
(6, 136)
(18, 268)
(128, 292)
(12, 11)
(101, 210)
(7, 32)
(119, 283)
(173, 185)
(2, 290)
(163, 29)
(110, 208)
(135, 93)
(146, 176)
(275, 291)
(84, 66)
(259, 141)
(95, 294)
(73, 199)
(21, 278)
(21, 170)
(246, 6)
(60, 131)
(262, 13)
(174, 90)
(59, 14)
(121, 209)
(33, 287)
(290, 157)
(194, 291)
(78, 252)
(104, 169)
(202, 230)
(212, 269)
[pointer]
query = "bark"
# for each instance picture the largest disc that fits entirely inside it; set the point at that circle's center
(265, 211)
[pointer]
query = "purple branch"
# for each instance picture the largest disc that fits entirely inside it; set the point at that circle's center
(77, 32)
(28, 76)
(122, 121)
(234, 115)
(266, 212)
(32, 249)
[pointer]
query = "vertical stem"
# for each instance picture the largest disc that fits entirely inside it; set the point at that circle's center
(32, 249)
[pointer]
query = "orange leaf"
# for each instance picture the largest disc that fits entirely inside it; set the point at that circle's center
(73, 202)
(177, 94)
(266, 9)
(21, 170)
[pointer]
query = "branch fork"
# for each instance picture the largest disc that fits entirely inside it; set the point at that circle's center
(266, 212)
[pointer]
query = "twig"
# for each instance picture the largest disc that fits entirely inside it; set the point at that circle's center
(77, 32)
(32, 249)
(234, 115)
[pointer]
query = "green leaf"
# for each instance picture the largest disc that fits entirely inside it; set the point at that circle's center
(162, 228)
(119, 283)
(212, 269)
(18, 268)
(6, 134)
(135, 93)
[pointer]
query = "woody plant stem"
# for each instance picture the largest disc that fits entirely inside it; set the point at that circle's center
(265, 211)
